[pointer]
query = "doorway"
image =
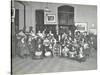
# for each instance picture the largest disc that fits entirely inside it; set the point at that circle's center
(40, 26)
(65, 18)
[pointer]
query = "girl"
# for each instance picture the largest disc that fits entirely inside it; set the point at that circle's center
(72, 53)
(65, 51)
(81, 57)
(24, 52)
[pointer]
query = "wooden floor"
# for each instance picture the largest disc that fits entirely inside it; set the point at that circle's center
(55, 64)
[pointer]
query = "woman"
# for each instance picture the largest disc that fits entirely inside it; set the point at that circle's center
(65, 51)
(81, 56)
(24, 51)
(72, 53)
(38, 53)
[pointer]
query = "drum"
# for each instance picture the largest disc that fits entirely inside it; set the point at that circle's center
(48, 53)
(38, 54)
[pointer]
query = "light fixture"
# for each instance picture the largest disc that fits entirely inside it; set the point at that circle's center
(47, 8)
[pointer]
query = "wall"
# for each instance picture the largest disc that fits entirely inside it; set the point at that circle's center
(87, 14)
(83, 13)
(30, 13)
(29, 16)
(21, 14)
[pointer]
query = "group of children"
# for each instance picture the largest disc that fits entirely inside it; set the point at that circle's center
(77, 47)
(74, 46)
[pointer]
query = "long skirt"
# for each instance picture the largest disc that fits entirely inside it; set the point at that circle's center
(23, 50)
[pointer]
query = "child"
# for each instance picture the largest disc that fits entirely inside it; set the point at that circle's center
(81, 56)
(43, 33)
(39, 49)
(65, 51)
(72, 53)
(49, 51)
(57, 49)
(39, 34)
(86, 49)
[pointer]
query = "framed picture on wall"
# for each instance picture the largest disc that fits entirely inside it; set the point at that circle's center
(50, 18)
(12, 14)
(81, 26)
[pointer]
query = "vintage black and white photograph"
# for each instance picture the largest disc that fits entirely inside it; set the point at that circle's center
(48, 37)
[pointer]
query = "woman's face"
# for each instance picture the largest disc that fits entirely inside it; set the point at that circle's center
(73, 48)
(70, 39)
(85, 33)
(78, 33)
(70, 33)
(81, 48)
(75, 40)
(49, 32)
(38, 31)
(83, 40)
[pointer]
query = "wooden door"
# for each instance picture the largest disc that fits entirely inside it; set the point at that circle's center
(17, 20)
(65, 18)
(14, 30)
(39, 20)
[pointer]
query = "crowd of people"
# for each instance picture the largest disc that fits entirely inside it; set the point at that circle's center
(75, 46)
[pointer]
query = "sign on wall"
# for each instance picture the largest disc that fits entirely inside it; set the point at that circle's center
(81, 26)
(50, 18)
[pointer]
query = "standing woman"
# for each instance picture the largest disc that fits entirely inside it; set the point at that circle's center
(23, 47)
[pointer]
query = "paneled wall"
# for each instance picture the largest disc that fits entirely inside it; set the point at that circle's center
(82, 13)
(87, 14)
(21, 14)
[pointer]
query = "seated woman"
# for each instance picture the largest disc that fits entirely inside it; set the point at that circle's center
(39, 34)
(72, 53)
(44, 33)
(81, 56)
(65, 51)
(53, 41)
(64, 35)
(82, 40)
(49, 43)
(38, 53)
(50, 33)
(57, 49)
(48, 52)
(50, 36)
(78, 36)
(75, 42)
(46, 45)
(46, 42)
